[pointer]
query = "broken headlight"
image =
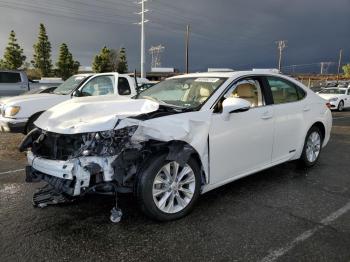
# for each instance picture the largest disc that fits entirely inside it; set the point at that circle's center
(106, 143)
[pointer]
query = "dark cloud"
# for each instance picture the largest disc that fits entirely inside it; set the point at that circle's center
(224, 33)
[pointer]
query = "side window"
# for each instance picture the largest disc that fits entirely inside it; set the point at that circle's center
(301, 93)
(10, 78)
(123, 86)
(99, 86)
(284, 91)
(248, 89)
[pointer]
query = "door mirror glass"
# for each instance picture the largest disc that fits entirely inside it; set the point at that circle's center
(234, 105)
(76, 93)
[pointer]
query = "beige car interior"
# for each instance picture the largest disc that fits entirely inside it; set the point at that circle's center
(249, 91)
(198, 92)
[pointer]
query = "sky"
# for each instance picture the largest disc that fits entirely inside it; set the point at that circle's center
(224, 33)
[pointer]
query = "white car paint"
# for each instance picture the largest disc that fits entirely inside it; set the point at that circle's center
(335, 99)
(230, 146)
(31, 105)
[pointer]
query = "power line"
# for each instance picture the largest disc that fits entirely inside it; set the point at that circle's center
(62, 13)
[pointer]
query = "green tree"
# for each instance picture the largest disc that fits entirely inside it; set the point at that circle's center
(122, 63)
(113, 58)
(346, 70)
(66, 66)
(42, 53)
(13, 55)
(102, 61)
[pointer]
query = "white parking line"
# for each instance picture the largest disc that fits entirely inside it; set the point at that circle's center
(275, 254)
(12, 171)
(340, 117)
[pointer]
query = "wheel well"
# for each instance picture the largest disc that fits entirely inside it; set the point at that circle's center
(31, 118)
(174, 147)
(320, 125)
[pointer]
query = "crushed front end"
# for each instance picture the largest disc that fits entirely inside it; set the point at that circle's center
(75, 164)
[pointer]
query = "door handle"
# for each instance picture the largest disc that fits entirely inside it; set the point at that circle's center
(266, 115)
(306, 108)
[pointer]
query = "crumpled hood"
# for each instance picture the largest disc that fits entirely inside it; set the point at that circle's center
(92, 114)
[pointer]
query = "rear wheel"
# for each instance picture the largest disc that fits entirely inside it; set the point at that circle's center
(312, 147)
(341, 106)
(166, 190)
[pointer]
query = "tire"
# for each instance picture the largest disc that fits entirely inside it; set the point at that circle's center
(313, 143)
(341, 106)
(147, 183)
(30, 124)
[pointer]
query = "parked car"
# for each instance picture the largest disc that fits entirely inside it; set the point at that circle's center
(19, 113)
(339, 98)
(13, 82)
(176, 140)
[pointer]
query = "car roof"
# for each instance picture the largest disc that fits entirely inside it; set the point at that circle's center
(232, 74)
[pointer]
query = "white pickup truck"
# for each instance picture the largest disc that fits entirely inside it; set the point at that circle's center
(17, 114)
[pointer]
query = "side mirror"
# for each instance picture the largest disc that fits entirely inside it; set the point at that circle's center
(234, 105)
(76, 93)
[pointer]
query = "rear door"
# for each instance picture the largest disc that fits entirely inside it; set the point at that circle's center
(290, 110)
(11, 84)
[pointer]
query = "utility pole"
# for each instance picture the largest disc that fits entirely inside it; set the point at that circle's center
(281, 44)
(142, 23)
(187, 41)
(339, 63)
(322, 64)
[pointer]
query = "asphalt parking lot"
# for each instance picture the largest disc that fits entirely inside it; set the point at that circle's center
(281, 214)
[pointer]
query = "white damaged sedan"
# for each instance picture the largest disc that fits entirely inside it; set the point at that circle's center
(180, 138)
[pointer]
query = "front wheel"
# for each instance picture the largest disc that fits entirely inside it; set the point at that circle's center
(166, 190)
(341, 106)
(312, 147)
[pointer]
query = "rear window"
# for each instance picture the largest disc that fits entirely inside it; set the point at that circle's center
(123, 86)
(10, 77)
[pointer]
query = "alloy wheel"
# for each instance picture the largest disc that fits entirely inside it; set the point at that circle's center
(313, 146)
(173, 187)
(341, 106)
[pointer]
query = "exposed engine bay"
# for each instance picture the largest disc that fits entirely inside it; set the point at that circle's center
(98, 162)
(75, 158)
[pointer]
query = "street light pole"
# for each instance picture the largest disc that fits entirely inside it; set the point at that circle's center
(187, 40)
(339, 63)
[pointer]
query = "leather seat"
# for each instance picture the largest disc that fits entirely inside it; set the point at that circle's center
(247, 92)
(204, 93)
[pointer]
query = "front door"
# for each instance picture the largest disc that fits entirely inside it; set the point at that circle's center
(243, 143)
